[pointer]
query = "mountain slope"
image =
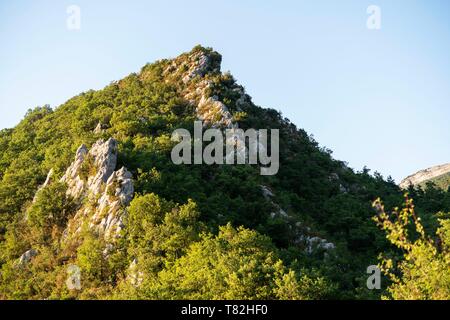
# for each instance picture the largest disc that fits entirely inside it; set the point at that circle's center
(91, 184)
(440, 175)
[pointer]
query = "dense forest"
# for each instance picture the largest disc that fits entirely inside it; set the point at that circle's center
(90, 186)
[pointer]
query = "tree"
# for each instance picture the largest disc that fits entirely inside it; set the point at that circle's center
(424, 271)
(235, 264)
(160, 231)
(49, 211)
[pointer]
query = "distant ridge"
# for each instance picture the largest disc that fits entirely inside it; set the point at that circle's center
(426, 175)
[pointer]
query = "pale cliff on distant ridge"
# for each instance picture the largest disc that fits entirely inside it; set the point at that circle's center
(425, 175)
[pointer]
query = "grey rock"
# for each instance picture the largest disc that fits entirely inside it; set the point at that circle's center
(105, 159)
(75, 185)
(199, 64)
(214, 112)
(317, 243)
(267, 193)
(107, 192)
(98, 129)
(26, 257)
(47, 181)
(104, 156)
(108, 218)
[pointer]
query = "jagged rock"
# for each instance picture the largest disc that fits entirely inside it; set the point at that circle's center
(267, 193)
(108, 218)
(425, 175)
(214, 112)
(209, 109)
(47, 181)
(194, 68)
(314, 243)
(103, 156)
(310, 242)
(242, 101)
(199, 64)
(108, 248)
(75, 185)
(279, 213)
(108, 191)
(105, 160)
(98, 129)
(26, 257)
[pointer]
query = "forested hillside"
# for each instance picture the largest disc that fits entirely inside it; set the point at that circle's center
(91, 184)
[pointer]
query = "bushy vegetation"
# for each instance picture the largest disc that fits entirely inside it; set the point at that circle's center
(423, 272)
(194, 231)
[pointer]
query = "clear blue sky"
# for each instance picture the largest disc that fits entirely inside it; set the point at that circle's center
(379, 98)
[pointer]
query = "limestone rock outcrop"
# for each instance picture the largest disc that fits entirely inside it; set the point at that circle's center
(26, 257)
(91, 179)
(194, 70)
(425, 175)
(47, 181)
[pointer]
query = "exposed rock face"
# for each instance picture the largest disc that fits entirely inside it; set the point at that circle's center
(104, 156)
(314, 243)
(194, 70)
(98, 129)
(92, 176)
(75, 184)
(425, 175)
(268, 195)
(101, 160)
(26, 257)
(108, 216)
(209, 109)
(199, 64)
(47, 181)
(214, 112)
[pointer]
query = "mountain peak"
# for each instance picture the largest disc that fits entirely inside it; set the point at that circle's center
(198, 62)
(214, 95)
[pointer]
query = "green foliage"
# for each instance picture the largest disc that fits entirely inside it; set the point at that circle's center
(160, 231)
(423, 273)
(441, 182)
(90, 257)
(50, 208)
(176, 215)
(236, 264)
